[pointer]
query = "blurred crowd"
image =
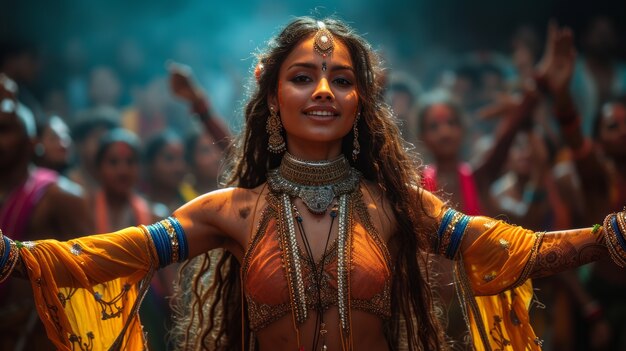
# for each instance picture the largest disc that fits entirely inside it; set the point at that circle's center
(535, 136)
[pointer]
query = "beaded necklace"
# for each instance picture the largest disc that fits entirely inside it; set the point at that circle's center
(317, 184)
(317, 275)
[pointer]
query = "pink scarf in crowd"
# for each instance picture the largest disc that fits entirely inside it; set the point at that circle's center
(469, 194)
(18, 208)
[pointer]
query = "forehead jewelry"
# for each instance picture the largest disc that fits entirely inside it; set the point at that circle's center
(323, 43)
(324, 66)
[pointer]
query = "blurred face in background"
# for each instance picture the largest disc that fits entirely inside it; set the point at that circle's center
(442, 131)
(521, 155)
(118, 170)
(55, 143)
(168, 167)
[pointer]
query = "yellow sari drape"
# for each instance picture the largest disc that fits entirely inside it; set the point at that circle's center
(80, 297)
(492, 275)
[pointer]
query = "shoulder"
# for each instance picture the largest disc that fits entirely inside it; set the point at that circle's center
(229, 210)
(232, 197)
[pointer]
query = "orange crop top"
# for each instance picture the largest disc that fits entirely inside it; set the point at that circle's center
(265, 281)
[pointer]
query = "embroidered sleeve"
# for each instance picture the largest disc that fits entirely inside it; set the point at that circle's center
(87, 291)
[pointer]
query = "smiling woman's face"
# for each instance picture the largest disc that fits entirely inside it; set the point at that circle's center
(316, 97)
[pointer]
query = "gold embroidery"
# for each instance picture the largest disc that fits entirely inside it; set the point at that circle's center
(262, 315)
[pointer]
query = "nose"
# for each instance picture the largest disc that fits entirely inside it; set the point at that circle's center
(322, 91)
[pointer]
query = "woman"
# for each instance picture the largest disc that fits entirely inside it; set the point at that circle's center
(320, 241)
(116, 205)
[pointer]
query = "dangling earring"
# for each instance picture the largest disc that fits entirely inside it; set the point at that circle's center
(356, 147)
(273, 127)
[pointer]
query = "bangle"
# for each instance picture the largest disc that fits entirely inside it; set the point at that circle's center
(169, 240)
(615, 242)
(9, 258)
(450, 233)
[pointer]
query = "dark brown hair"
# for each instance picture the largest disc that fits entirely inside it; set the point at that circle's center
(384, 160)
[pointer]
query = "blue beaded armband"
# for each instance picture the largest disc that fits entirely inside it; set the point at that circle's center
(450, 233)
(169, 241)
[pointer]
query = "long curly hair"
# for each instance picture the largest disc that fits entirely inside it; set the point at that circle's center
(213, 315)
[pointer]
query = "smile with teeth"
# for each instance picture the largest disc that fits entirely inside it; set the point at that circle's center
(321, 113)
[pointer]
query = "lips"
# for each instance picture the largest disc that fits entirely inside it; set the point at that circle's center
(321, 111)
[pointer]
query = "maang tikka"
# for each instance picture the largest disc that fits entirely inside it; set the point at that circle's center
(274, 127)
(323, 43)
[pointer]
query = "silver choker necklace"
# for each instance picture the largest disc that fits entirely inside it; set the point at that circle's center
(317, 183)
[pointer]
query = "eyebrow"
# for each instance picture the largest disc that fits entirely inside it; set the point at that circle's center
(314, 66)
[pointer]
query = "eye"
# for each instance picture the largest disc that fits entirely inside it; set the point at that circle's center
(301, 78)
(342, 81)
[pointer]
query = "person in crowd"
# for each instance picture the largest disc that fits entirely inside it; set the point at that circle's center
(321, 224)
(54, 145)
(118, 205)
(86, 134)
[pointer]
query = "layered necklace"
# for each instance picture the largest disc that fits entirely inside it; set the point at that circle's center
(317, 184)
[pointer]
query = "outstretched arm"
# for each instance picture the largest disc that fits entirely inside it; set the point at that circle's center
(498, 255)
(206, 223)
(88, 290)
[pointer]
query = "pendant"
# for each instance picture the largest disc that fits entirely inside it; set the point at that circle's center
(317, 199)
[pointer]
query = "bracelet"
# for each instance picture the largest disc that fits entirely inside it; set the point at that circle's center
(450, 233)
(169, 240)
(615, 242)
(9, 258)
(2, 244)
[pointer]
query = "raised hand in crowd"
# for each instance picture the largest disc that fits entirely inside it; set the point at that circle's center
(183, 86)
